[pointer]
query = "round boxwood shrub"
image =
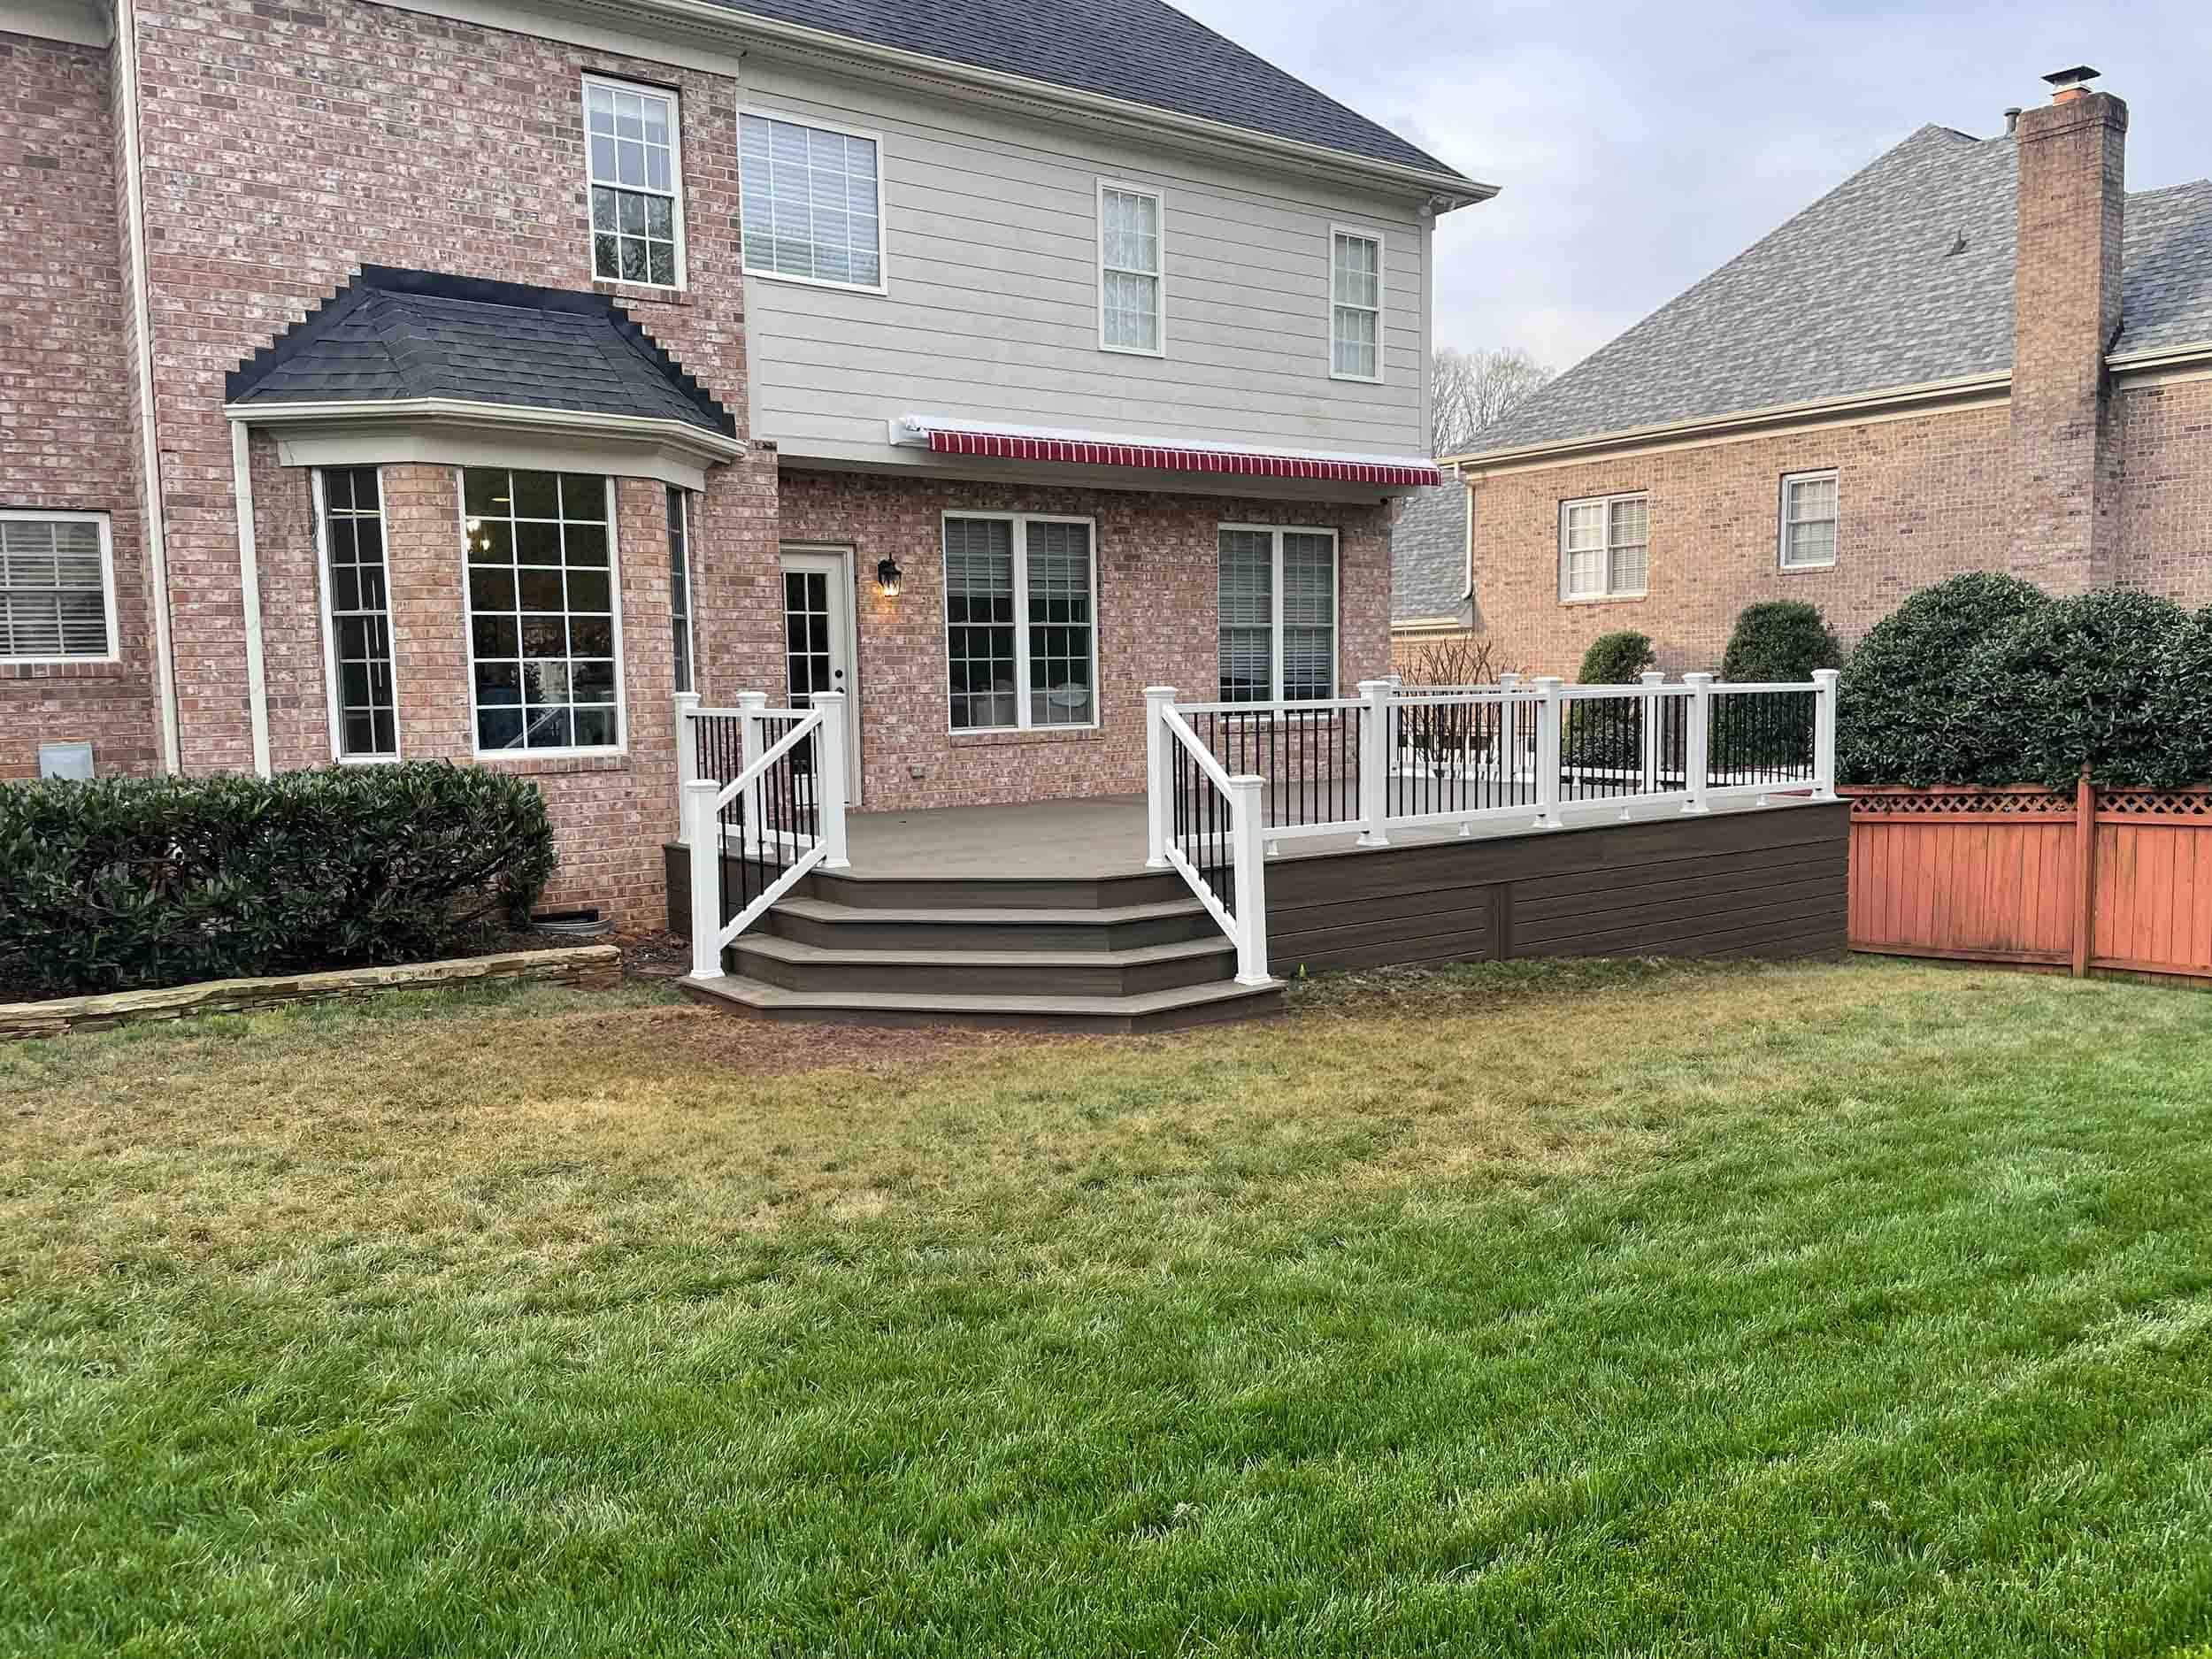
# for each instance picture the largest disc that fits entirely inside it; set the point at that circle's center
(1900, 717)
(1779, 639)
(1616, 659)
(128, 883)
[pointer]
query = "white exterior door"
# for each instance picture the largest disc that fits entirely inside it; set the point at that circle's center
(818, 651)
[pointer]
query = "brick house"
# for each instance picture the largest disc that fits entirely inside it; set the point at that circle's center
(450, 381)
(1973, 355)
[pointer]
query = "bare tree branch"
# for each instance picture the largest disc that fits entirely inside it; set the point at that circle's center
(1469, 390)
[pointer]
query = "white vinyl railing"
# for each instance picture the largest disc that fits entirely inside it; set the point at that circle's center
(1209, 829)
(778, 814)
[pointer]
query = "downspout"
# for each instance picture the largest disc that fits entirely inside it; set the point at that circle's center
(250, 594)
(149, 454)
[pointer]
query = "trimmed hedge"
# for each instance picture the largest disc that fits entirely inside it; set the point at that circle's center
(1595, 736)
(1616, 658)
(1984, 679)
(1779, 639)
(126, 884)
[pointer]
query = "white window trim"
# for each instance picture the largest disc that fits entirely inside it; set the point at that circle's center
(1611, 596)
(1821, 474)
(330, 632)
(620, 747)
(1382, 299)
(1021, 521)
(691, 595)
(882, 284)
(1277, 532)
(1159, 213)
(675, 178)
(107, 585)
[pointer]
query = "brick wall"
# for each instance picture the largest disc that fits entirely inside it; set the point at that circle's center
(64, 378)
(2165, 438)
(1920, 499)
(1158, 569)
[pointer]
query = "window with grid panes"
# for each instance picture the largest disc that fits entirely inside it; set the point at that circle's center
(680, 584)
(630, 137)
(1355, 306)
(357, 582)
(540, 597)
(811, 202)
(1277, 614)
(1603, 547)
(1129, 244)
(1808, 520)
(1020, 622)
(54, 602)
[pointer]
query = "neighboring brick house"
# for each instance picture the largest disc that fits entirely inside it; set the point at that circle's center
(443, 380)
(1429, 594)
(1973, 355)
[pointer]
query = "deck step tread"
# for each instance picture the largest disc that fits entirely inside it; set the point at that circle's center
(737, 987)
(1128, 956)
(1104, 915)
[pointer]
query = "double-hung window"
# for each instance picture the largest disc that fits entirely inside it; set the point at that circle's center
(1356, 305)
(1808, 521)
(1021, 627)
(1129, 246)
(1603, 547)
(680, 584)
(357, 587)
(1278, 599)
(813, 203)
(636, 176)
(57, 588)
(540, 554)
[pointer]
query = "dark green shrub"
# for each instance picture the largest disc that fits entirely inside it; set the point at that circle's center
(1616, 659)
(130, 883)
(1901, 717)
(1780, 639)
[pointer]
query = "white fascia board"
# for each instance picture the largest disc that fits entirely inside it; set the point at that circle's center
(910, 431)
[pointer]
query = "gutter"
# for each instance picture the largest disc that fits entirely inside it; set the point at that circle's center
(2190, 355)
(1451, 189)
(455, 411)
(148, 450)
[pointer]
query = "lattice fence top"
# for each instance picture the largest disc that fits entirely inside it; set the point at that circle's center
(2191, 802)
(2015, 801)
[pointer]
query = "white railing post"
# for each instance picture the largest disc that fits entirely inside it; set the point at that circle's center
(1247, 792)
(749, 704)
(1824, 734)
(705, 837)
(1509, 728)
(1549, 714)
(1653, 679)
(687, 758)
(1159, 776)
(1375, 756)
(829, 778)
(1698, 746)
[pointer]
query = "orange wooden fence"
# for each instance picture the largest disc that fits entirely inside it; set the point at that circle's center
(2083, 879)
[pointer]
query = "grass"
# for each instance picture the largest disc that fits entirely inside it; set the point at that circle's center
(1612, 1310)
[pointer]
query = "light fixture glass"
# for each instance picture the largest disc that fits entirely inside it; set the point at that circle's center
(889, 578)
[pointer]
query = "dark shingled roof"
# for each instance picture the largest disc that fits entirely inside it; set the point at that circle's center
(1428, 553)
(392, 333)
(1902, 274)
(1140, 50)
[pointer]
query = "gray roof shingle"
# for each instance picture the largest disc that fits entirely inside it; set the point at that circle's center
(1428, 553)
(1901, 276)
(1140, 50)
(394, 334)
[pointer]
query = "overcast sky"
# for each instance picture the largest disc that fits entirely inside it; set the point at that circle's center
(1638, 146)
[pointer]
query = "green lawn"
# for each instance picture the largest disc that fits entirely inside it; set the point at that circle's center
(1836, 1308)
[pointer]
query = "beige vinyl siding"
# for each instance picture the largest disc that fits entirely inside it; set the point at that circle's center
(991, 261)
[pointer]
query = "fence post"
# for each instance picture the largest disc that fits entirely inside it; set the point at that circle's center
(1247, 792)
(1825, 733)
(2084, 871)
(1159, 776)
(1547, 751)
(1698, 745)
(1653, 679)
(749, 704)
(687, 758)
(705, 836)
(1374, 762)
(829, 780)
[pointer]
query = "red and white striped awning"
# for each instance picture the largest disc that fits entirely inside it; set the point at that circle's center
(1099, 449)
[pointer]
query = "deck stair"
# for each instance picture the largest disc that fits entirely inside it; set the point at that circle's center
(1104, 953)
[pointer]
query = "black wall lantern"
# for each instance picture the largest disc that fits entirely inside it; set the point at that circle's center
(888, 578)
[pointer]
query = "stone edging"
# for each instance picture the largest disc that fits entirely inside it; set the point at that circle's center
(596, 966)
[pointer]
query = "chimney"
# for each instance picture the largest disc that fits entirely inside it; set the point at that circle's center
(2066, 314)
